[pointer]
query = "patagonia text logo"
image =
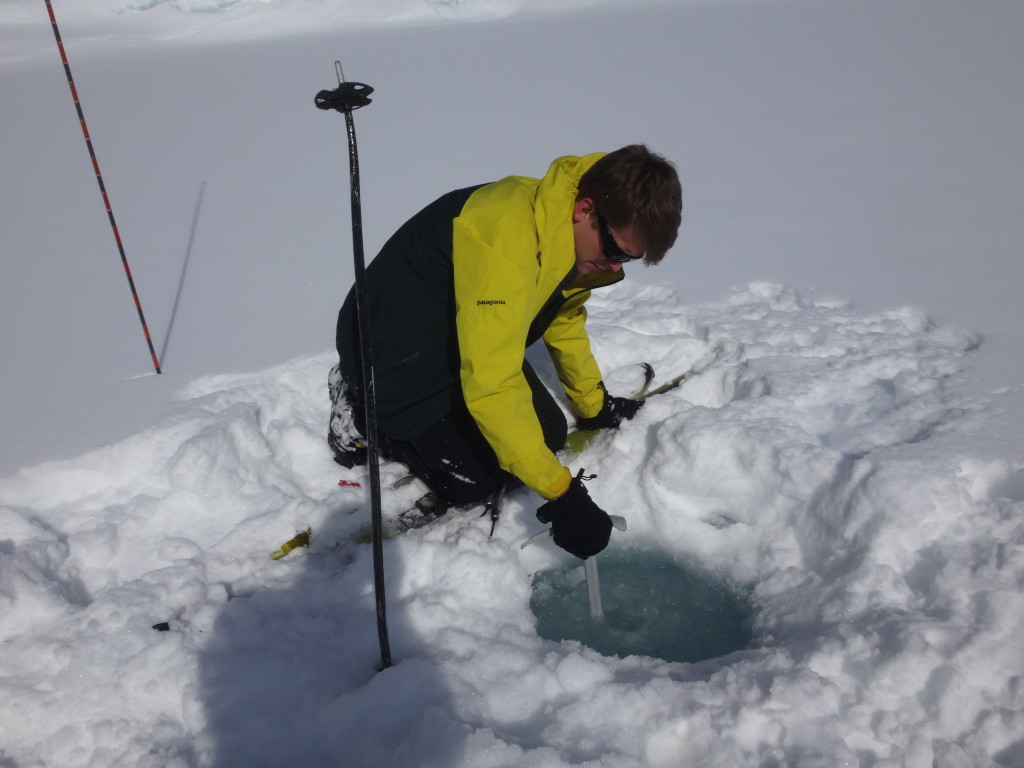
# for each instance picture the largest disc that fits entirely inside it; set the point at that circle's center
(489, 302)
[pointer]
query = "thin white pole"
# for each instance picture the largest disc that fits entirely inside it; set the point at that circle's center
(593, 588)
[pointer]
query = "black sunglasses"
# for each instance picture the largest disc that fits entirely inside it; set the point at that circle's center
(611, 249)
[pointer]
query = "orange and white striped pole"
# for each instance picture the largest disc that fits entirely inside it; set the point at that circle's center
(103, 189)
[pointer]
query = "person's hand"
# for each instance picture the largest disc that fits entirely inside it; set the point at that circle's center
(578, 525)
(613, 412)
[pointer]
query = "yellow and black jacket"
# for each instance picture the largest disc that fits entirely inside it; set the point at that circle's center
(458, 294)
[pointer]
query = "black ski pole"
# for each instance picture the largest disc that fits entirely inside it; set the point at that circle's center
(345, 98)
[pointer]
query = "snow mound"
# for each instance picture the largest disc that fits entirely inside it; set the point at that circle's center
(820, 463)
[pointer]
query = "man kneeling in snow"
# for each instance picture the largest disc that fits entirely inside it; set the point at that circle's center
(457, 295)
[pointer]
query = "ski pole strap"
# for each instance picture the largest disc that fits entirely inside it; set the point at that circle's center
(345, 97)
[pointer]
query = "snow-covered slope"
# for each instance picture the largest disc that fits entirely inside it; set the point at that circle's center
(854, 463)
(815, 464)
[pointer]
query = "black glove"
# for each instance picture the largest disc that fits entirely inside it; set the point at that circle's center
(612, 413)
(578, 525)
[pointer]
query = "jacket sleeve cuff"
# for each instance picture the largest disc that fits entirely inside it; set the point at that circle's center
(549, 483)
(559, 486)
(592, 404)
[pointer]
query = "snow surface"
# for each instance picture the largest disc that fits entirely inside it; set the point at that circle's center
(853, 175)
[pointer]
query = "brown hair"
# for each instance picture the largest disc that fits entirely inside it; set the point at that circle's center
(633, 185)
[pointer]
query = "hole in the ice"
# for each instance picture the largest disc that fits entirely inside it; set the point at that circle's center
(653, 606)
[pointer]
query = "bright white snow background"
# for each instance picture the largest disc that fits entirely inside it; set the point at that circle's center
(853, 175)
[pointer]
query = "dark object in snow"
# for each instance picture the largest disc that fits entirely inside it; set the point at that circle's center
(163, 626)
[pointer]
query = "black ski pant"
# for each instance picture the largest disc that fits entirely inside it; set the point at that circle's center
(455, 460)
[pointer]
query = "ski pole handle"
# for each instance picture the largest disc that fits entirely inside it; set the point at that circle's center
(345, 97)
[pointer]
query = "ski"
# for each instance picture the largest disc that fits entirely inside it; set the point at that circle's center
(578, 439)
(699, 367)
(648, 379)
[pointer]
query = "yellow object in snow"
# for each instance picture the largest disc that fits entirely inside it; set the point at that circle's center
(299, 540)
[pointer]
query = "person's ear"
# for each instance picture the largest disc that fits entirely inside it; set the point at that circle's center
(582, 210)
